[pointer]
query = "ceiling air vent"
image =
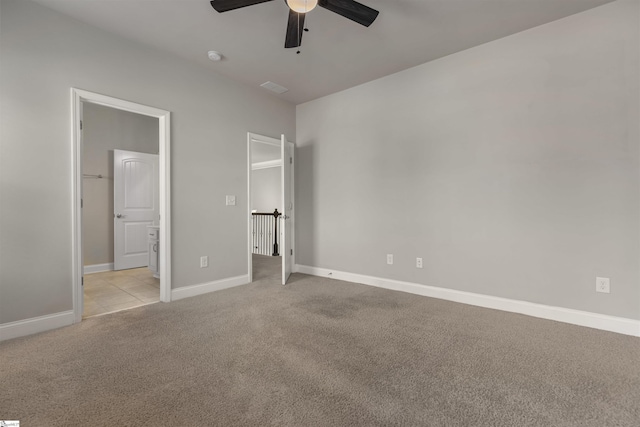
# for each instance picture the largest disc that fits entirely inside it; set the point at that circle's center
(274, 87)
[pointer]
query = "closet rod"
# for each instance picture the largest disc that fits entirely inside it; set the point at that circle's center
(86, 175)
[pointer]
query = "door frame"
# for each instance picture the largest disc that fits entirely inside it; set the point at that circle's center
(287, 213)
(251, 137)
(78, 97)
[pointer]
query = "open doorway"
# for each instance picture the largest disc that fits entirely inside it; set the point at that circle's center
(121, 151)
(270, 192)
(265, 201)
(120, 209)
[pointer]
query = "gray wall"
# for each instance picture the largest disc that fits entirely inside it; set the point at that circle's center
(266, 194)
(510, 168)
(106, 129)
(44, 54)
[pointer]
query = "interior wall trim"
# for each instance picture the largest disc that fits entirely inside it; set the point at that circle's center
(78, 98)
(604, 322)
(21, 328)
(205, 288)
(98, 268)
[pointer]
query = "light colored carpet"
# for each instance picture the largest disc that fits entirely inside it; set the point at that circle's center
(319, 352)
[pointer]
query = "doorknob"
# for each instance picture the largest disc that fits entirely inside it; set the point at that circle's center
(119, 216)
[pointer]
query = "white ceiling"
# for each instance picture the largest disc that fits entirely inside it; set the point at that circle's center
(336, 53)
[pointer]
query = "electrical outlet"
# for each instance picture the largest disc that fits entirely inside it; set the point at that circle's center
(389, 259)
(204, 261)
(603, 285)
(418, 262)
(231, 200)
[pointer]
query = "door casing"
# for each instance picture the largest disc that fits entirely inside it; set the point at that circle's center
(286, 227)
(78, 97)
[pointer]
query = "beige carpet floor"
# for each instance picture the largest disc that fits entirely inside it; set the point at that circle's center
(319, 352)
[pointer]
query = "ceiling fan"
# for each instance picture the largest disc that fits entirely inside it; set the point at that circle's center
(350, 9)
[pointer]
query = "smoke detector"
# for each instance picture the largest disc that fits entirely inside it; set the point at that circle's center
(214, 56)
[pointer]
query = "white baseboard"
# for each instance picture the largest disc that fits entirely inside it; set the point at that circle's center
(34, 325)
(620, 325)
(204, 288)
(98, 268)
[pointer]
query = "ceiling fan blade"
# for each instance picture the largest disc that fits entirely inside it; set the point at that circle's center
(351, 9)
(227, 5)
(295, 27)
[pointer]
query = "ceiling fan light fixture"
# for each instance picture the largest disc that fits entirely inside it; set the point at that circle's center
(302, 6)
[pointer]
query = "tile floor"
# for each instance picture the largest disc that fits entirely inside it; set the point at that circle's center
(110, 291)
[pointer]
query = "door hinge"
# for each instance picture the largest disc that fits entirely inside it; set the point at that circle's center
(81, 203)
(80, 124)
(291, 251)
(82, 284)
(290, 160)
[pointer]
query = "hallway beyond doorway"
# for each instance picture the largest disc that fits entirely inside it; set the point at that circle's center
(265, 266)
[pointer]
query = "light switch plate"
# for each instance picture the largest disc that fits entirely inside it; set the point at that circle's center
(231, 200)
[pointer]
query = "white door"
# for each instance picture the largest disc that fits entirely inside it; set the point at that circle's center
(286, 248)
(135, 204)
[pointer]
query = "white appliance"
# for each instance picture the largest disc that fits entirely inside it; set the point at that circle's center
(153, 231)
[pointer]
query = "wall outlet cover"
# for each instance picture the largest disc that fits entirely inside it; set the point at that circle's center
(389, 259)
(231, 200)
(603, 285)
(418, 262)
(204, 261)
